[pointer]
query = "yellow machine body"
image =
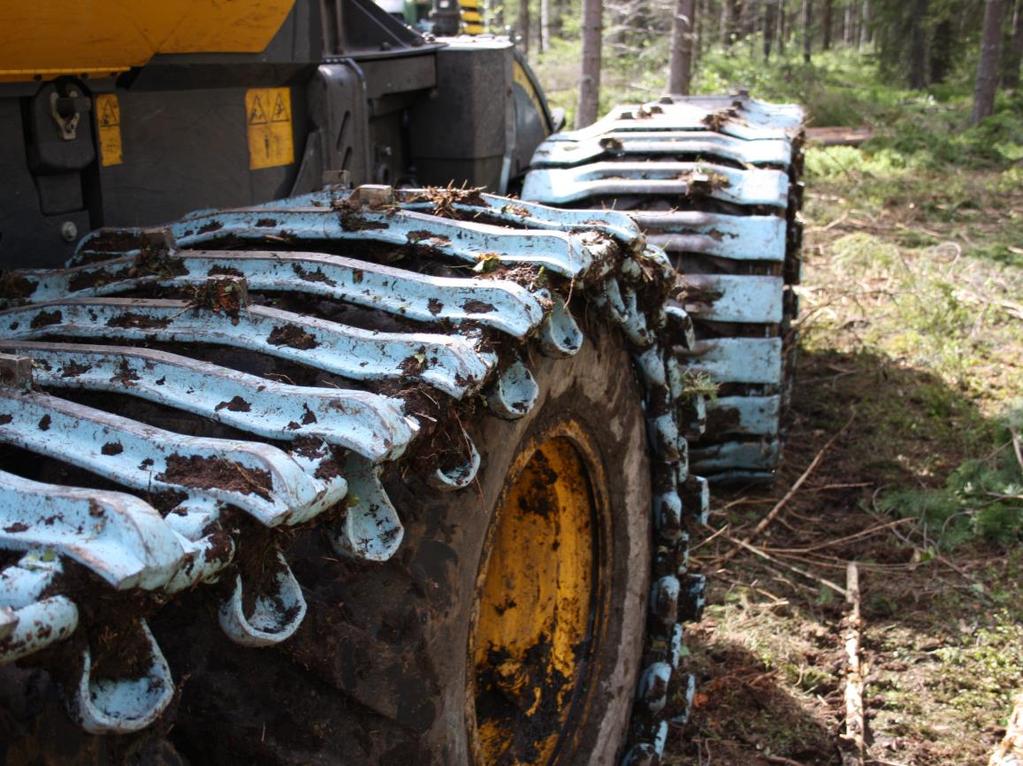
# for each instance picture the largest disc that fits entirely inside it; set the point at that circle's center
(44, 39)
(472, 17)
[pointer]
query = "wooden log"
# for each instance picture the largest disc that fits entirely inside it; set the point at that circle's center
(853, 744)
(1010, 751)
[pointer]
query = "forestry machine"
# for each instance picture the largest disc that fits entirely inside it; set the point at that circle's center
(314, 449)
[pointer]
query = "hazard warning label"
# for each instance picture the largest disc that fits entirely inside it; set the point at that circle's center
(108, 123)
(268, 119)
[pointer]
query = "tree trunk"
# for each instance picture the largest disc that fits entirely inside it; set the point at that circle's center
(749, 18)
(941, 50)
(783, 27)
(987, 67)
(826, 25)
(770, 26)
(731, 24)
(1014, 54)
(699, 27)
(680, 67)
(545, 25)
(524, 24)
(918, 46)
(864, 24)
(589, 84)
(807, 30)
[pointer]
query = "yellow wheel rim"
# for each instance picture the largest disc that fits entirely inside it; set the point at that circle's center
(535, 610)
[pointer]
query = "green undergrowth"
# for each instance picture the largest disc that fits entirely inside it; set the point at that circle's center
(982, 497)
(991, 657)
(944, 332)
(926, 245)
(926, 136)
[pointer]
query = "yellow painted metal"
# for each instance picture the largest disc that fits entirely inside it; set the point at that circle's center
(472, 17)
(520, 77)
(42, 39)
(268, 123)
(535, 610)
(108, 124)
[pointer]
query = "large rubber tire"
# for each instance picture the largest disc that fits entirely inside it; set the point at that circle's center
(377, 672)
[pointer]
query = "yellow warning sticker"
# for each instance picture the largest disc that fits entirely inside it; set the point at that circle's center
(268, 117)
(108, 120)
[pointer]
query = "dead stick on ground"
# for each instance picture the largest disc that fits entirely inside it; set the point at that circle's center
(841, 540)
(1010, 750)
(791, 567)
(780, 760)
(1016, 447)
(853, 745)
(773, 513)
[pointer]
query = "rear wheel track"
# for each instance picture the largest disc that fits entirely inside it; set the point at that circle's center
(379, 669)
(410, 681)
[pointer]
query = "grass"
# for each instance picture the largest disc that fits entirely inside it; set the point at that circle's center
(925, 268)
(912, 317)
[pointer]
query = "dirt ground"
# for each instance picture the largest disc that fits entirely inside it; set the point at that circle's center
(942, 624)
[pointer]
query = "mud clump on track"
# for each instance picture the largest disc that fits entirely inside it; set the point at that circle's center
(122, 653)
(236, 404)
(217, 473)
(15, 287)
(292, 336)
(46, 318)
(444, 199)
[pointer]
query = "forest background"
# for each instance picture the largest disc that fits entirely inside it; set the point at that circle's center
(907, 408)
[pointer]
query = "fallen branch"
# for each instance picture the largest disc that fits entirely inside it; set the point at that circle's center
(702, 543)
(915, 229)
(849, 485)
(841, 540)
(798, 570)
(781, 760)
(773, 513)
(839, 136)
(853, 746)
(1016, 446)
(1010, 750)
(837, 222)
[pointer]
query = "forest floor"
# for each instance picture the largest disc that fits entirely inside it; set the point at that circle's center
(911, 352)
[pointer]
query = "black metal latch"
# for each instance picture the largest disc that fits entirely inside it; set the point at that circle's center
(66, 109)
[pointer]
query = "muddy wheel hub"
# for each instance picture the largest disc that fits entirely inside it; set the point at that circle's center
(536, 606)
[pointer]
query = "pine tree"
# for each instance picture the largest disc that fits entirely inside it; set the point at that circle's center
(1014, 53)
(589, 84)
(807, 30)
(918, 46)
(524, 24)
(680, 67)
(987, 67)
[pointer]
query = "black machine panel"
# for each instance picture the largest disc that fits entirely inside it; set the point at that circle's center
(344, 93)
